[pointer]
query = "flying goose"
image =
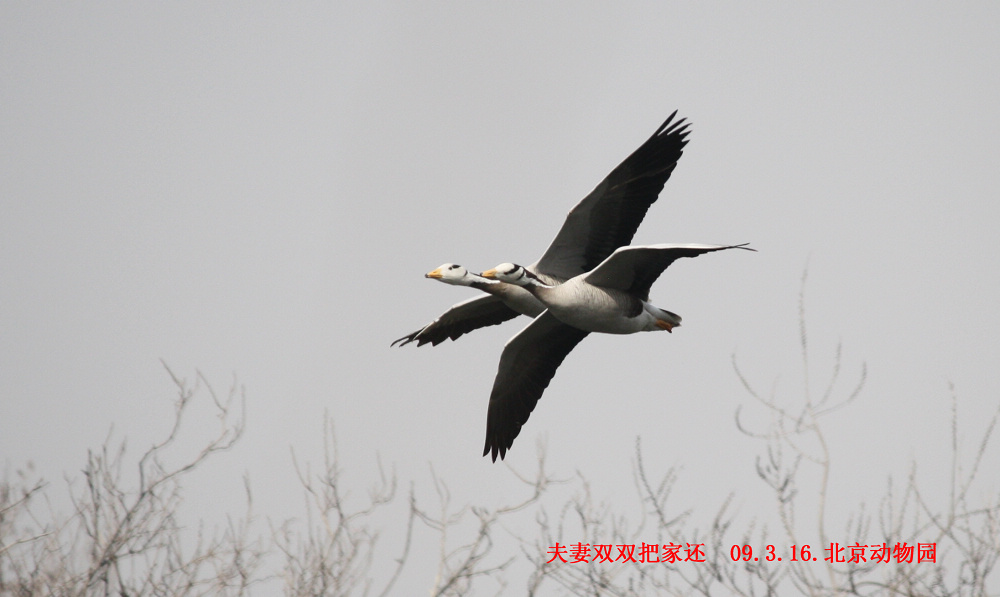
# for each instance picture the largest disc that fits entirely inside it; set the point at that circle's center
(611, 299)
(604, 220)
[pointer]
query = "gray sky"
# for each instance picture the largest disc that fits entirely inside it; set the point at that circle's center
(257, 191)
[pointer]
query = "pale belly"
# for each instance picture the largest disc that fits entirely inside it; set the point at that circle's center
(602, 312)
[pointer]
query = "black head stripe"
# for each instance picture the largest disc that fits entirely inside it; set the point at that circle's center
(513, 269)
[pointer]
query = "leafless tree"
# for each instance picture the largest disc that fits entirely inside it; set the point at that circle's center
(966, 536)
(123, 537)
(335, 552)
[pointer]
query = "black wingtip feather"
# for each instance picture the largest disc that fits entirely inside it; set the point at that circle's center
(405, 339)
(496, 448)
(679, 128)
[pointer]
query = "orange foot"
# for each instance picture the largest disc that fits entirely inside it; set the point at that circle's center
(665, 325)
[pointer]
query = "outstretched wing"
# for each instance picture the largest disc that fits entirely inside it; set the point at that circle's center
(634, 269)
(527, 365)
(608, 217)
(462, 318)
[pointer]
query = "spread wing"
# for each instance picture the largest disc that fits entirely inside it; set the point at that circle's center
(462, 318)
(608, 217)
(634, 269)
(527, 365)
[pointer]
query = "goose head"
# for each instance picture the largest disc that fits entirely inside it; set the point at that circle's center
(451, 273)
(510, 273)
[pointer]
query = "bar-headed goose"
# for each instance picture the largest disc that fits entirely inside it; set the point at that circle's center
(604, 220)
(612, 299)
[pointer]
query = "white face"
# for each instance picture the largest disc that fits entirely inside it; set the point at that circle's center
(450, 273)
(511, 274)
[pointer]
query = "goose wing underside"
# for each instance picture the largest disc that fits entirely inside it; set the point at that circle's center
(475, 313)
(634, 269)
(527, 365)
(608, 217)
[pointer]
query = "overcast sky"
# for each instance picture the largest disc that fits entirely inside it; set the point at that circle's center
(256, 191)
